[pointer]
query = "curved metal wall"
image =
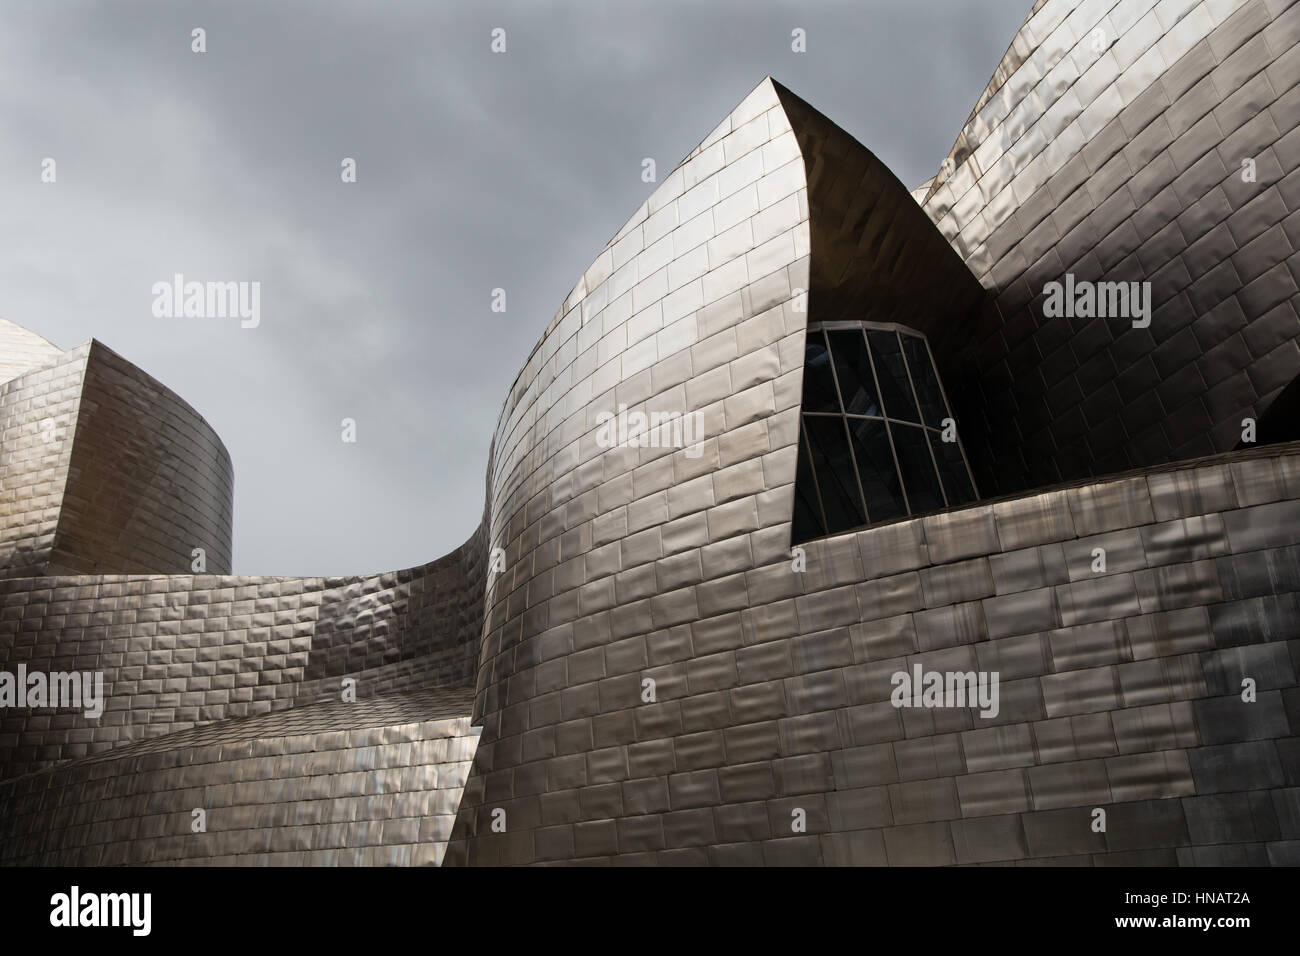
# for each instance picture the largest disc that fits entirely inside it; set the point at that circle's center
(374, 782)
(181, 651)
(692, 309)
(1111, 146)
(148, 482)
(220, 693)
(769, 699)
(104, 469)
(1120, 691)
(38, 415)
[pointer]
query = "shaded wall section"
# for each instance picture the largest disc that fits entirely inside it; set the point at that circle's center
(876, 256)
(1126, 164)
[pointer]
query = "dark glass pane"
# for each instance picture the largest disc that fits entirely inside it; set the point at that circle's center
(952, 468)
(892, 376)
(853, 369)
(818, 385)
(876, 468)
(925, 380)
(830, 456)
(919, 476)
(807, 512)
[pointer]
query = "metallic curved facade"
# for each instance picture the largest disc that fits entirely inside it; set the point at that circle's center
(1112, 146)
(376, 782)
(38, 410)
(628, 662)
(105, 469)
(1120, 691)
(222, 693)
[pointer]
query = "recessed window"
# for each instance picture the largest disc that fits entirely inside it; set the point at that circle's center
(871, 445)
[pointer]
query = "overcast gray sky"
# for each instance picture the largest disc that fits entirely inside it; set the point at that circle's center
(474, 171)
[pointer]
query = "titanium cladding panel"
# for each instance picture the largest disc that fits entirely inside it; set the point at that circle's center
(1132, 141)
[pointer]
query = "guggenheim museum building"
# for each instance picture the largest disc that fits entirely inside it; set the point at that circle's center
(830, 521)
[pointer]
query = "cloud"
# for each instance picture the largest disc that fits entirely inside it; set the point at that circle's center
(475, 171)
